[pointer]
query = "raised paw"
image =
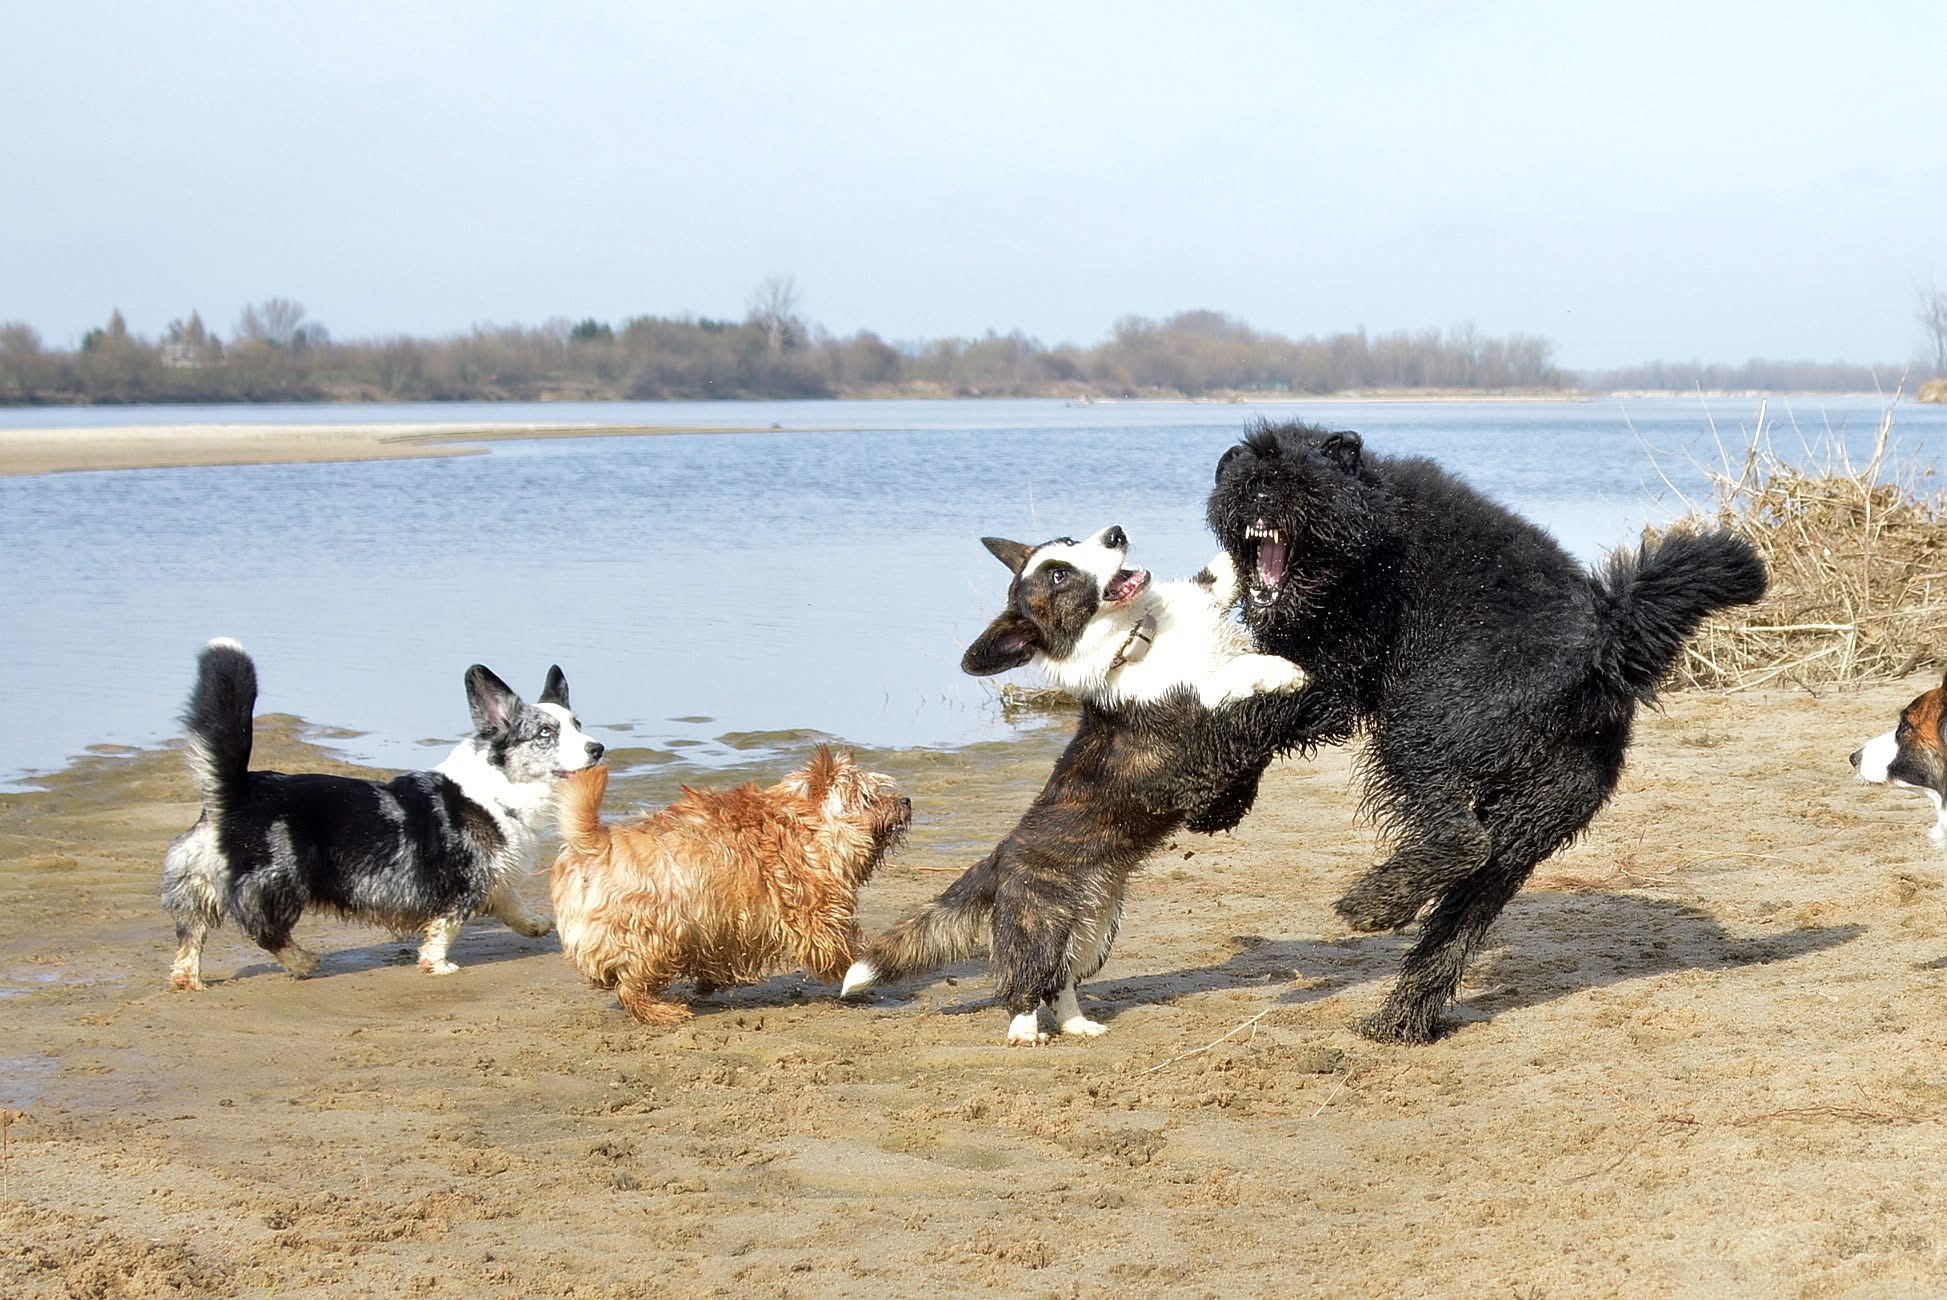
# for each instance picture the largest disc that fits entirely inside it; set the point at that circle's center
(1371, 906)
(1279, 674)
(859, 978)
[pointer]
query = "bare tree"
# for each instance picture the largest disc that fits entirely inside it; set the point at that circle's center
(774, 309)
(277, 321)
(1933, 319)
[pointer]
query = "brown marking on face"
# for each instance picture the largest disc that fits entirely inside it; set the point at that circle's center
(1920, 721)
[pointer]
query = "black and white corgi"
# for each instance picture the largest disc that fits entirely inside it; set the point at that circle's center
(1913, 755)
(420, 853)
(1178, 722)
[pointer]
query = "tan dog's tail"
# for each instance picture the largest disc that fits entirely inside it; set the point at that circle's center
(578, 809)
(951, 928)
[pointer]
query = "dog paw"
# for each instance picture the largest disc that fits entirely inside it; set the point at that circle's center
(440, 967)
(298, 961)
(1025, 1031)
(534, 927)
(186, 983)
(1084, 1026)
(1369, 909)
(1400, 1024)
(1280, 675)
(860, 977)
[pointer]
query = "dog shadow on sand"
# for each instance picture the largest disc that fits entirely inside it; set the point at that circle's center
(481, 943)
(1547, 945)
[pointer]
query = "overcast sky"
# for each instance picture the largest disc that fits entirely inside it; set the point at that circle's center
(1698, 180)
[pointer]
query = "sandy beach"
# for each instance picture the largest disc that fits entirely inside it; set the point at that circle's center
(1701, 1056)
(59, 450)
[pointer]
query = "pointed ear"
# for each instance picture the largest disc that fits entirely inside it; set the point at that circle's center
(820, 774)
(1007, 643)
(1342, 449)
(556, 689)
(1013, 554)
(493, 701)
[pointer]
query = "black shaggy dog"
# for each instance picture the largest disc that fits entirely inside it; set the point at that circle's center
(1496, 678)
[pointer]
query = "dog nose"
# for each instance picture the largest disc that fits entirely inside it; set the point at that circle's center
(595, 751)
(1855, 758)
(1114, 536)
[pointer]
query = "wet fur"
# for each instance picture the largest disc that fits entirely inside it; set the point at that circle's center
(1496, 678)
(1147, 758)
(722, 887)
(422, 852)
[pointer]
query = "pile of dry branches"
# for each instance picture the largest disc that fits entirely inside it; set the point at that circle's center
(1858, 561)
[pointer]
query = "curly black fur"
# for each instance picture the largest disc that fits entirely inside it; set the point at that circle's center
(1496, 678)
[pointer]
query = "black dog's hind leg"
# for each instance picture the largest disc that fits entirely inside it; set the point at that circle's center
(1431, 971)
(1535, 819)
(1437, 855)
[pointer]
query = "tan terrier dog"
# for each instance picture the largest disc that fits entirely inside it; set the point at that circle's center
(722, 887)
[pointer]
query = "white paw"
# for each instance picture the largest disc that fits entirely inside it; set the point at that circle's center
(1277, 674)
(1223, 571)
(861, 976)
(440, 967)
(1084, 1026)
(1025, 1031)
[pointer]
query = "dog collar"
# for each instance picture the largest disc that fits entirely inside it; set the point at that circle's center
(1137, 644)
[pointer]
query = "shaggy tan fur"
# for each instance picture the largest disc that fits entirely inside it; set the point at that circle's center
(722, 887)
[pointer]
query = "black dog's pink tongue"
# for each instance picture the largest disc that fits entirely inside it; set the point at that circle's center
(1271, 557)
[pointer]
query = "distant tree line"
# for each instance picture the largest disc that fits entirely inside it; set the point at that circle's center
(275, 353)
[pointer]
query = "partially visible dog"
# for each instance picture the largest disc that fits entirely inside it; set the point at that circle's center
(1179, 719)
(1913, 755)
(1497, 679)
(722, 887)
(422, 852)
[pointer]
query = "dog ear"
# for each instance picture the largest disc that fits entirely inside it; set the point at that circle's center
(556, 689)
(1007, 643)
(820, 774)
(492, 701)
(1342, 449)
(1012, 554)
(1223, 461)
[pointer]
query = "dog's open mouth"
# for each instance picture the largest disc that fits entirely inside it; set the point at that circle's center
(1126, 585)
(1270, 554)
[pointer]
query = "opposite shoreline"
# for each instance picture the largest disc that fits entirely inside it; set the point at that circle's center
(67, 450)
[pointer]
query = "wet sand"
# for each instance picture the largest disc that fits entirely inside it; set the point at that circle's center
(1701, 1056)
(59, 450)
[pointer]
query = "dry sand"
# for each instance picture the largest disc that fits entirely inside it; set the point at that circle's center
(55, 450)
(1701, 1056)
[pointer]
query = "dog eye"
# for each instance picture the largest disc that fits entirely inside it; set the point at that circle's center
(549, 733)
(1057, 576)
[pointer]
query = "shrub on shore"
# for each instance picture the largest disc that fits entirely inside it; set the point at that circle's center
(1858, 562)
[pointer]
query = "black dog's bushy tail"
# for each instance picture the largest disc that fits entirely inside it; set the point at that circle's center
(218, 719)
(951, 928)
(1651, 601)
